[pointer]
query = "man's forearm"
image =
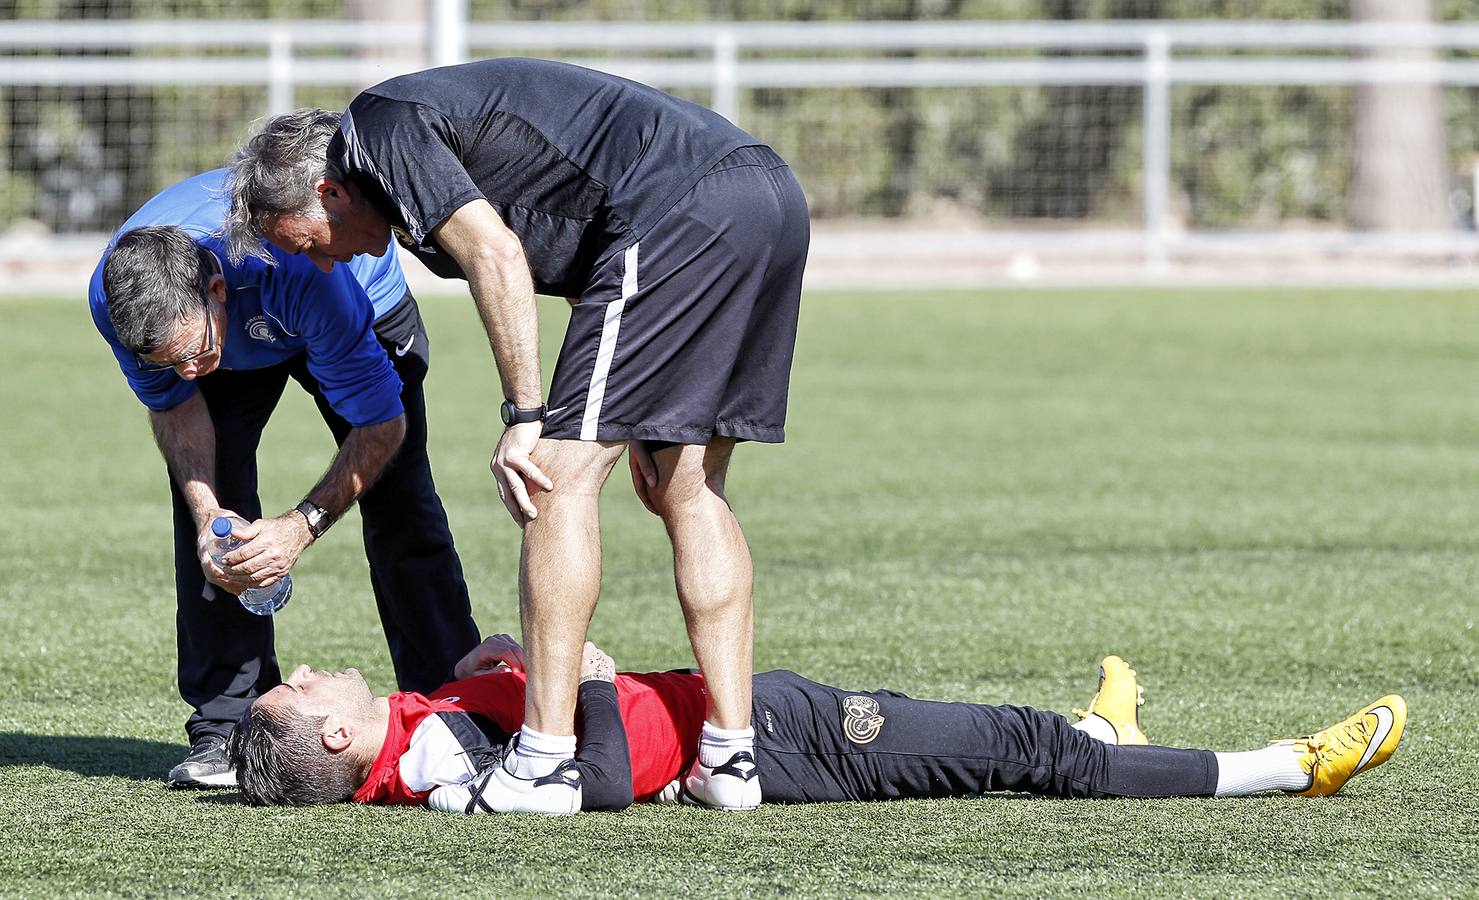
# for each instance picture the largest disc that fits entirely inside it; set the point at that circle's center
(272, 546)
(504, 295)
(492, 258)
(603, 756)
(361, 459)
(187, 441)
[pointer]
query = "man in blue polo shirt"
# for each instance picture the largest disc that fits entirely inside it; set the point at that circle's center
(208, 347)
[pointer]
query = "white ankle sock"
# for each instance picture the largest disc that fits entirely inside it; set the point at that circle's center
(1098, 728)
(716, 745)
(1275, 767)
(538, 753)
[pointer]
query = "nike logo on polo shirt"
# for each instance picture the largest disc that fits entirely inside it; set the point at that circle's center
(402, 351)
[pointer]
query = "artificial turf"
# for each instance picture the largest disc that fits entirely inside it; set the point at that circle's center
(1267, 501)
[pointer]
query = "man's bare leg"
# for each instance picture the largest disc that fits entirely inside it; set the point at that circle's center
(712, 569)
(560, 577)
(559, 580)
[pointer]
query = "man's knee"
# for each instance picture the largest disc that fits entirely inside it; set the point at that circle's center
(577, 468)
(689, 476)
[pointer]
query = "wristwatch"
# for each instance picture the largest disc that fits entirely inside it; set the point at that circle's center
(318, 518)
(513, 415)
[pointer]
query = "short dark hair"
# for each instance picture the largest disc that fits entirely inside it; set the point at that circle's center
(155, 278)
(280, 760)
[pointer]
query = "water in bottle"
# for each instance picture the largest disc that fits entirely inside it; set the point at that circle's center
(263, 601)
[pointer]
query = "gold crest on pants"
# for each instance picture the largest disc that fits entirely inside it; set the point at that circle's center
(860, 719)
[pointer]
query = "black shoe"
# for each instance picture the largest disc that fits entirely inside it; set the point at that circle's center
(205, 766)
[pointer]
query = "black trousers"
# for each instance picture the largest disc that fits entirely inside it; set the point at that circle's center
(226, 654)
(820, 744)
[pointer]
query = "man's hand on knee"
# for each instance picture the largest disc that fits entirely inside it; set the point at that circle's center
(644, 473)
(515, 471)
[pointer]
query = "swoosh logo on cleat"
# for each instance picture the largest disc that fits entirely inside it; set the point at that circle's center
(1384, 721)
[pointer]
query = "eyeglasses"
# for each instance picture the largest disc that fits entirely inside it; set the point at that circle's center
(210, 346)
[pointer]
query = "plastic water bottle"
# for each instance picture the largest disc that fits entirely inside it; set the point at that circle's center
(263, 601)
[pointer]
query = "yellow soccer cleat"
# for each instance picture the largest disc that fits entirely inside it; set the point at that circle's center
(1118, 701)
(1346, 749)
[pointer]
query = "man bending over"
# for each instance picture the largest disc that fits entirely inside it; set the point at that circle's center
(324, 738)
(680, 240)
(208, 346)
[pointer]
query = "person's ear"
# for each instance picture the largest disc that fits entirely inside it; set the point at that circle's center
(216, 288)
(337, 734)
(334, 195)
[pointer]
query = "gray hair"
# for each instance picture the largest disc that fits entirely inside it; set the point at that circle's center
(274, 173)
(280, 760)
(155, 278)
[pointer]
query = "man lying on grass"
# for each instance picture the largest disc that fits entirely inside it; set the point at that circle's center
(324, 737)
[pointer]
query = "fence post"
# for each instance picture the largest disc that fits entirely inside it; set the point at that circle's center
(1474, 194)
(726, 74)
(448, 34)
(280, 72)
(1156, 175)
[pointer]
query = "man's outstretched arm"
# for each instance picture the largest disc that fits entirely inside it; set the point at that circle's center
(492, 258)
(275, 544)
(187, 441)
(602, 754)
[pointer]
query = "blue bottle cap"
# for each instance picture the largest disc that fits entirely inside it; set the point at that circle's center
(221, 527)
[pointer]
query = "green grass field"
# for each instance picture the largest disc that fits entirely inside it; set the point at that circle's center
(1267, 501)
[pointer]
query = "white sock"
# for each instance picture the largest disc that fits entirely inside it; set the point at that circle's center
(716, 745)
(1098, 728)
(1275, 767)
(537, 753)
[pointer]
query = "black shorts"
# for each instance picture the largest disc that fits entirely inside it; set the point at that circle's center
(688, 332)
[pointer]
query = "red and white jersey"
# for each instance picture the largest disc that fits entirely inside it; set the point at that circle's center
(428, 738)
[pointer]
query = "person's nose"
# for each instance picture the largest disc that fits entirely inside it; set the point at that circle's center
(299, 673)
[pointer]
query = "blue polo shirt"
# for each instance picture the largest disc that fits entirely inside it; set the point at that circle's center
(275, 312)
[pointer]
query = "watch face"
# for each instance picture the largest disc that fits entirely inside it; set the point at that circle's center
(512, 414)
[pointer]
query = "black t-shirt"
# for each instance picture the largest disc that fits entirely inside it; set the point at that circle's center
(572, 159)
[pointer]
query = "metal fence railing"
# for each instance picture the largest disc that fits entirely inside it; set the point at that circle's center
(829, 94)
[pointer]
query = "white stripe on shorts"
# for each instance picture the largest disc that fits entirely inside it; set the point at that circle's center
(609, 331)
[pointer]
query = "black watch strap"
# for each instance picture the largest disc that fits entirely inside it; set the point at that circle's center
(318, 518)
(513, 415)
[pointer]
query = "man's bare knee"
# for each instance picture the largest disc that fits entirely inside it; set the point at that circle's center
(577, 468)
(690, 475)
